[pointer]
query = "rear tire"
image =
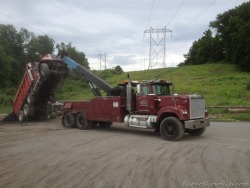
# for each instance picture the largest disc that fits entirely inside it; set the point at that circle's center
(49, 109)
(81, 121)
(28, 110)
(196, 132)
(68, 120)
(44, 70)
(171, 129)
(30, 98)
(21, 116)
(52, 99)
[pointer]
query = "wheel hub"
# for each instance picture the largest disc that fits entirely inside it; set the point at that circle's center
(170, 129)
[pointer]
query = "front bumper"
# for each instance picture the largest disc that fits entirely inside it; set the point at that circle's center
(197, 123)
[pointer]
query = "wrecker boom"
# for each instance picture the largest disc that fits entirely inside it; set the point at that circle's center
(94, 81)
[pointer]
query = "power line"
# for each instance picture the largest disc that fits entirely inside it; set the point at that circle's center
(204, 10)
(198, 15)
(182, 3)
(150, 12)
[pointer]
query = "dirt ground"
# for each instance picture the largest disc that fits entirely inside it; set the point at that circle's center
(44, 154)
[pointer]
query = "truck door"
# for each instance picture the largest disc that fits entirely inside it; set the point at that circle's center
(142, 99)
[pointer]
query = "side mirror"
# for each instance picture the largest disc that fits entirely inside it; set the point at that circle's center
(172, 90)
(138, 88)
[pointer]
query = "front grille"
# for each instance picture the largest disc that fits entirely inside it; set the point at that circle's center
(197, 106)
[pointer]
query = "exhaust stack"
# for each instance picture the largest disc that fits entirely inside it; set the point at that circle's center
(129, 95)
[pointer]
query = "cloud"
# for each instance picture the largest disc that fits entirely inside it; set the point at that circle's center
(116, 27)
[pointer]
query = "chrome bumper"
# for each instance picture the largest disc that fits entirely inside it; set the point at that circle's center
(197, 123)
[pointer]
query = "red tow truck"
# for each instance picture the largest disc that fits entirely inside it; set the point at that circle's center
(148, 105)
(36, 93)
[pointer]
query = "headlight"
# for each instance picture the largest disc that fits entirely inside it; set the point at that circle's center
(184, 112)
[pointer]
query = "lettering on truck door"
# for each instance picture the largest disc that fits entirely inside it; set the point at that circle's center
(142, 104)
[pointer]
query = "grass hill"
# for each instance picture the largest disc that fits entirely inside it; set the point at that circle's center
(220, 84)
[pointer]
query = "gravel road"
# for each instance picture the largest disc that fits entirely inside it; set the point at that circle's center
(44, 154)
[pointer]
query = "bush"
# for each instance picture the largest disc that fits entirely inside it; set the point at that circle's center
(10, 91)
(248, 86)
(6, 100)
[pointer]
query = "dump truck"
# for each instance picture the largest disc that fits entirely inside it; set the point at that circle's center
(36, 92)
(149, 104)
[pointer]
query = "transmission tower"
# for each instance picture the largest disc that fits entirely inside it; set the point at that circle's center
(157, 50)
(103, 57)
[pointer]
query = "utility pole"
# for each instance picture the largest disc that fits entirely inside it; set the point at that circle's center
(103, 57)
(157, 50)
(105, 60)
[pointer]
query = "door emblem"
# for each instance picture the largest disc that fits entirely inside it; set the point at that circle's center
(144, 103)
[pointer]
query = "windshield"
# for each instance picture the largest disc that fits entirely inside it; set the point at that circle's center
(161, 89)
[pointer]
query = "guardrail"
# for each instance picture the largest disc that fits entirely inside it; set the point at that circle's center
(233, 109)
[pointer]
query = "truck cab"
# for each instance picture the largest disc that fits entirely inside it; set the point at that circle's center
(148, 95)
(170, 114)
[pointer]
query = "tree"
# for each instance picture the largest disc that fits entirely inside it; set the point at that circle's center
(39, 46)
(233, 28)
(231, 42)
(204, 50)
(11, 40)
(12, 56)
(118, 69)
(8, 74)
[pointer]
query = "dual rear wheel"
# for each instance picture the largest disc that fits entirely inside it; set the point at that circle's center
(68, 120)
(27, 111)
(80, 121)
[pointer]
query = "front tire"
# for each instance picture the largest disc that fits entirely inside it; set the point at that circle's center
(68, 120)
(171, 129)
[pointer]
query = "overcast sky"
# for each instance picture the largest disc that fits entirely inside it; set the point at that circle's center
(117, 27)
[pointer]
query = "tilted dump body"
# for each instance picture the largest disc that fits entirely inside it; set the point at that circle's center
(38, 87)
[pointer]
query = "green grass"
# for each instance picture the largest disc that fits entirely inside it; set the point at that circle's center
(220, 84)
(74, 88)
(215, 111)
(232, 117)
(241, 116)
(6, 109)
